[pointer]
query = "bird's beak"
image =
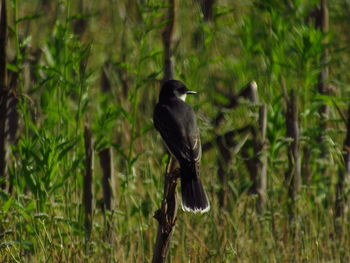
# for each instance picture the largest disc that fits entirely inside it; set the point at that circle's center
(191, 92)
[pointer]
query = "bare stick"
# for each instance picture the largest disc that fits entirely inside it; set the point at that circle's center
(168, 42)
(105, 82)
(106, 165)
(256, 164)
(224, 161)
(207, 9)
(228, 146)
(166, 215)
(107, 168)
(322, 22)
(3, 92)
(262, 161)
(305, 166)
(293, 175)
(80, 24)
(12, 113)
(12, 121)
(87, 196)
(122, 71)
(343, 181)
(226, 142)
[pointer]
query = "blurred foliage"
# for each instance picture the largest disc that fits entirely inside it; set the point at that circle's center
(101, 62)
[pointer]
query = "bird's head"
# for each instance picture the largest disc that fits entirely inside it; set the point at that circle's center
(174, 88)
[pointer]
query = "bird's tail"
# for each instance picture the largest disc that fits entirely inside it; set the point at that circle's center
(194, 199)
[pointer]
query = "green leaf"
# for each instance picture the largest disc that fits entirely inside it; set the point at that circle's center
(28, 17)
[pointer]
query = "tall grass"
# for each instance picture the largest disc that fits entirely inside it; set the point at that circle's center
(277, 45)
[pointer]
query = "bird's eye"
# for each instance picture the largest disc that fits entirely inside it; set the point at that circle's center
(182, 90)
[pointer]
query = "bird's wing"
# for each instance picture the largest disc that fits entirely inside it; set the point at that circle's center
(181, 136)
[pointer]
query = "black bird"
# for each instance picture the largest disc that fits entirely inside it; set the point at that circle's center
(176, 122)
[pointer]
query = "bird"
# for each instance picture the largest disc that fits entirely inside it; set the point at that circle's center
(176, 122)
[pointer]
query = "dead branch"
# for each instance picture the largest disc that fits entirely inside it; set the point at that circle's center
(305, 166)
(3, 92)
(207, 9)
(256, 164)
(12, 119)
(168, 42)
(293, 174)
(166, 215)
(343, 181)
(262, 164)
(80, 24)
(87, 195)
(227, 145)
(322, 22)
(12, 113)
(106, 165)
(105, 86)
(122, 71)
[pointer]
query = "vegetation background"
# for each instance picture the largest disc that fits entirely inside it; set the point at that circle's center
(98, 65)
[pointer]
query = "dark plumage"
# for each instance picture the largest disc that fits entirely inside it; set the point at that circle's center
(176, 122)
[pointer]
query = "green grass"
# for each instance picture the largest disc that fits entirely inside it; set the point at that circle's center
(58, 87)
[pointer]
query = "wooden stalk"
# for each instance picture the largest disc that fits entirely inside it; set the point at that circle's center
(343, 181)
(3, 92)
(322, 22)
(105, 157)
(305, 167)
(256, 164)
(228, 147)
(226, 142)
(168, 42)
(105, 83)
(106, 165)
(293, 174)
(122, 71)
(166, 215)
(207, 9)
(224, 161)
(80, 24)
(12, 121)
(259, 145)
(87, 195)
(12, 113)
